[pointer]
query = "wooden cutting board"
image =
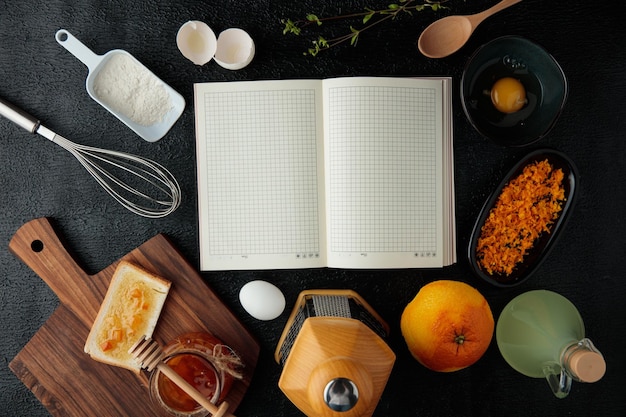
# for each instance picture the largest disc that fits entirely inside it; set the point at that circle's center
(64, 378)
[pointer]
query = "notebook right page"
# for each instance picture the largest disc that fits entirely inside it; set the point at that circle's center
(384, 153)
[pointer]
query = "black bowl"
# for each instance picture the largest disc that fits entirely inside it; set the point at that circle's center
(545, 241)
(543, 79)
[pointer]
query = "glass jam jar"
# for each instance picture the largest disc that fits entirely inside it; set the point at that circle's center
(203, 361)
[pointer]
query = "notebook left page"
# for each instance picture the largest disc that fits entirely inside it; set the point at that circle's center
(259, 150)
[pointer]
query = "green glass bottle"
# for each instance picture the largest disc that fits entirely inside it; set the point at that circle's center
(541, 335)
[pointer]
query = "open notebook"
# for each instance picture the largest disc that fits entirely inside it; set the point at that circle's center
(345, 172)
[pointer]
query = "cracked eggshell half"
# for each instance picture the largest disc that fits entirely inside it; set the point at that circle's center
(197, 42)
(235, 49)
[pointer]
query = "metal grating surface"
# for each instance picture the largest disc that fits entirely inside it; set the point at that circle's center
(331, 306)
(328, 306)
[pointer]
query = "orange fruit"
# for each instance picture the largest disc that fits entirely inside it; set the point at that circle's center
(447, 326)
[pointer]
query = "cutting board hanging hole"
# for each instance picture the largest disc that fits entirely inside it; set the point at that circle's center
(36, 245)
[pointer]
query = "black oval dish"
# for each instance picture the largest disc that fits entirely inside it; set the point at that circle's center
(545, 241)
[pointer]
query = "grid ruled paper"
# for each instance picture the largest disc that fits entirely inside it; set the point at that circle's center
(261, 172)
(349, 172)
(383, 178)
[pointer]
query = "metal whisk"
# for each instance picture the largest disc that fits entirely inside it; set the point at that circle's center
(118, 173)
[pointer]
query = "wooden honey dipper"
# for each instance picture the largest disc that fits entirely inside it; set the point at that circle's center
(150, 356)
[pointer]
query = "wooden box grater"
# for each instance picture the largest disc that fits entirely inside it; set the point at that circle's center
(335, 361)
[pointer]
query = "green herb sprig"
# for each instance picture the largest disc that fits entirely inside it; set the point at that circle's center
(369, 18)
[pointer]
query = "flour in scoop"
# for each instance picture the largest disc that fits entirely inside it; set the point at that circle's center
(128, 88)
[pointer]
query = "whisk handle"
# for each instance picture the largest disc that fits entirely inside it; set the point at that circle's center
(19, 116)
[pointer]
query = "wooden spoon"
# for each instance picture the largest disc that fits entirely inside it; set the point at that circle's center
(446, 36)
(150, 356)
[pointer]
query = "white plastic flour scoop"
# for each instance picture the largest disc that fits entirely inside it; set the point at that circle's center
(126, 88)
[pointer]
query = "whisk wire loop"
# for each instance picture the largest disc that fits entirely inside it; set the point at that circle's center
(135, 168)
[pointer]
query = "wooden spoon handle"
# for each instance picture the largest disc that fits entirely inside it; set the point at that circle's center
(479, 17)
(194, 393)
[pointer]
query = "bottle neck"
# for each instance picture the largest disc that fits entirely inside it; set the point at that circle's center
(583, 361)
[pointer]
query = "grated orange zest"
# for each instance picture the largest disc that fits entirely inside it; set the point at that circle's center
(526, 208)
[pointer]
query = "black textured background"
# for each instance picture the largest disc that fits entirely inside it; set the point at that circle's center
(37, 179)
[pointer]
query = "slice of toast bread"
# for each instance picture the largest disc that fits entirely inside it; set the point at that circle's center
(130, 310)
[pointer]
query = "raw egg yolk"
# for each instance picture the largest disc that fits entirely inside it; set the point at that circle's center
(508, 95)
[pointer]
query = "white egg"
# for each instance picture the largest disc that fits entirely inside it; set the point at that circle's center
(262, 300)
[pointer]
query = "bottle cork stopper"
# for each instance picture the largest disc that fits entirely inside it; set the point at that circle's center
(588, 366)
